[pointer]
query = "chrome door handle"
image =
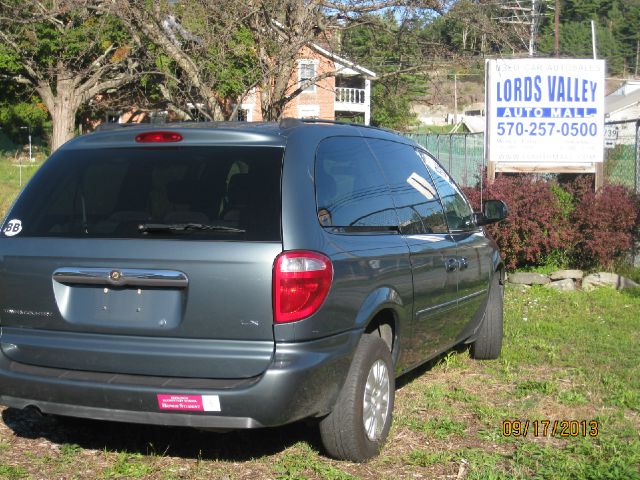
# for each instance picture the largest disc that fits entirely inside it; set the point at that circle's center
(121, 277)
(451, 265)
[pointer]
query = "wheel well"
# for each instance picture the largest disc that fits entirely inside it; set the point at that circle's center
(383, 325)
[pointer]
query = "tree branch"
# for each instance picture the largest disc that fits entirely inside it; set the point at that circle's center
(28, 65)
(105, 85)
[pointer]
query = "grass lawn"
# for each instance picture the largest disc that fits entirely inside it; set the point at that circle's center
(567, 356)
(10, 172)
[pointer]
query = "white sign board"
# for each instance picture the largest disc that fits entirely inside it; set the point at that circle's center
(545, 112)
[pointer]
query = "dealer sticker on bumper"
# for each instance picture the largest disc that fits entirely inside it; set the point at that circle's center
(189, 403)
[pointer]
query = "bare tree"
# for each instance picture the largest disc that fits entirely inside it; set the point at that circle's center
(209, 61)
(222, 49)
(69, 51)
(281, 28)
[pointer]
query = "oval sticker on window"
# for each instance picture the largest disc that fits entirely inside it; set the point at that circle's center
(12, 227)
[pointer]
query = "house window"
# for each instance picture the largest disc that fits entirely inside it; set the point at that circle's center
(309, 111)
(112, 117)
(196, 113)
(307, 70)
(245, 112)
(157, 117)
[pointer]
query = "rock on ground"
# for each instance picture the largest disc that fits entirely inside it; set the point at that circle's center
(528, 278)
(606, 279)
(564, 285)
(563, 274)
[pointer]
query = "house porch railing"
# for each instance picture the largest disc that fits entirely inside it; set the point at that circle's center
(350, 95)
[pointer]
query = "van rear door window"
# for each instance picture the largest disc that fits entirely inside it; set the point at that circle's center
(224, 193)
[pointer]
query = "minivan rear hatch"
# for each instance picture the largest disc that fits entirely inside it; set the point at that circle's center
(151, 260)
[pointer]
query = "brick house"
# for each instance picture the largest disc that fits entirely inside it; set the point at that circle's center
(345, 95)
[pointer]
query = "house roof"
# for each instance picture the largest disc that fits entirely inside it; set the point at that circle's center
(344, 66)
(475, 124)
(615, 103)
(628, 86)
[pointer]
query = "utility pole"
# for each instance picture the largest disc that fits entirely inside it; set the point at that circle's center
(556, 29)
(593, 39)
(28, 128)
(532, 29)
(525, 15)
(637, 55)
(455, 98)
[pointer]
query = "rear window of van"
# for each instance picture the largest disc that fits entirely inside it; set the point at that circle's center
(222, 193)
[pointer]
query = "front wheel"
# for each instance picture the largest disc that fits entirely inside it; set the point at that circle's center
(488, 342)
(359, 424)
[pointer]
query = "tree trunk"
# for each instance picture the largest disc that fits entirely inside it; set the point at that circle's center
(63, 118)
(63, 113)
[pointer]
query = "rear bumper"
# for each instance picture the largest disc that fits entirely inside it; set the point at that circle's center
(303, 380)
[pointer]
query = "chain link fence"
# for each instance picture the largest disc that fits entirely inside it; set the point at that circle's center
(462, 154)
(622, 153)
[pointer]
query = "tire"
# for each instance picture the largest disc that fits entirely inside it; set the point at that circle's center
(346, 433)
(488, 342)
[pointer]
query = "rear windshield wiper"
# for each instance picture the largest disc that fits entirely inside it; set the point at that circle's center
(185, 227)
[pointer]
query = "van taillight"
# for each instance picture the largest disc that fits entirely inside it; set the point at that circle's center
(301, 281)
(158, 137)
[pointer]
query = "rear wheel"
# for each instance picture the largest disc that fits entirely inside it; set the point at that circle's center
(488, 343)
(359, 424)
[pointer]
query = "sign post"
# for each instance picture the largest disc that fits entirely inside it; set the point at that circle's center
(545, 115)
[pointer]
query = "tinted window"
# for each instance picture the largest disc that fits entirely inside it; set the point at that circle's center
(457, 210)
(413, 192)
(110, 193)
(350, 189)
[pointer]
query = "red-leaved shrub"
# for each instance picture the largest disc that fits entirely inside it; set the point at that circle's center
(592, 229)
(535, 225)
(605, 222)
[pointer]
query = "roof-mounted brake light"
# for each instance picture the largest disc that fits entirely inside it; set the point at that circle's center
(158, 137)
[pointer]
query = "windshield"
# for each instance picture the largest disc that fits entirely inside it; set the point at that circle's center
(114, 193)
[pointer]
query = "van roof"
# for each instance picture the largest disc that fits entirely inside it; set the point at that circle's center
(271, 134)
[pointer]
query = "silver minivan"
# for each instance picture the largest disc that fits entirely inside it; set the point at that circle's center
(241, 276)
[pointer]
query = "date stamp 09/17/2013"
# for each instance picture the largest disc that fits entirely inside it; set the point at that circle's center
(550, 428)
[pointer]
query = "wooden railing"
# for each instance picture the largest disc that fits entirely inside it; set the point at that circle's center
(350, 95)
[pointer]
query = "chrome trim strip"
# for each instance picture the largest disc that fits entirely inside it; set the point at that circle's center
(451, 302)
(132, 277)
(441, 306)
(471, 295)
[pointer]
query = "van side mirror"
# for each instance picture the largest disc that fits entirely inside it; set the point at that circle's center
(493, 211)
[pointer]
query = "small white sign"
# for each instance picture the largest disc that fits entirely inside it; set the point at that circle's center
(611, 132)
(211, 403)
(545, 111)
(12, 227)
(610, 136)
